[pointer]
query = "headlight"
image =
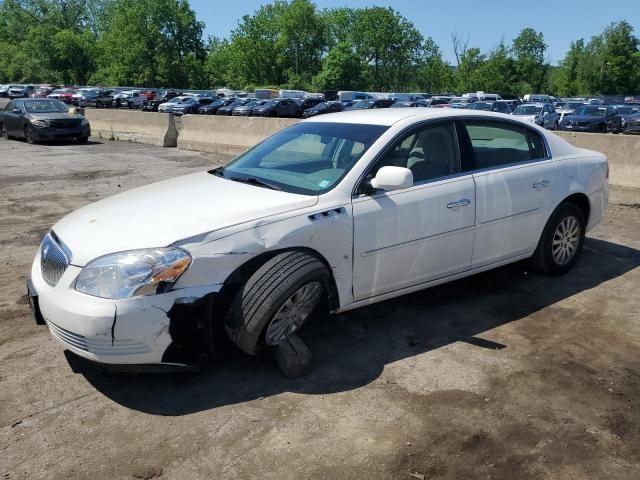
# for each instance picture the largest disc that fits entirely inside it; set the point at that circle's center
(40, 123)
(134, 273)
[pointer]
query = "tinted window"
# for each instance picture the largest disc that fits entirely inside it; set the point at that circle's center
(496, 144)
(429, 152)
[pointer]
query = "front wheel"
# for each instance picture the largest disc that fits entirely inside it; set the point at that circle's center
(82, 139)
(3, 131)
(28, 135)
(276, 301)
(561, 241)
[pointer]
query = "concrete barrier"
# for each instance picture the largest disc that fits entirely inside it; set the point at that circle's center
(227, 135)
(140, 127)
(623, 152)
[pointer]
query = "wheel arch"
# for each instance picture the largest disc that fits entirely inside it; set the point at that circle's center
(242, 273)
(582, 201)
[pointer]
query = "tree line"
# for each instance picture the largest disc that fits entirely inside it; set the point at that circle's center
(292, 44)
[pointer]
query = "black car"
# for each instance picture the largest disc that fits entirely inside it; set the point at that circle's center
(191, 105)
(322, 108)
(625, 111)
(372, 103)
(228, 109)
(491, 106)
(632, 123)
(213, 107)
(152, 105)
(279, 107)
(246, 110)
(105, 98)
(309, 102)
(42, 119)
(593, 118)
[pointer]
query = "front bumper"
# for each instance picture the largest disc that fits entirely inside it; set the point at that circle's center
(50, 133)
(592, 127)
(170, 329)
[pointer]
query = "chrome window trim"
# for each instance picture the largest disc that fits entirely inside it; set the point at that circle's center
(455, 119)
(387, 148)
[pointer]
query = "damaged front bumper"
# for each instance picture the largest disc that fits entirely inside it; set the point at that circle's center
(172, 329)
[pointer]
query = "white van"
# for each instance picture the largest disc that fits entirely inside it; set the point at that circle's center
(291, 93)
(537, 98)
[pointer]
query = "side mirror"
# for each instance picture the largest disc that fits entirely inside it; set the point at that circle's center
(393, 178)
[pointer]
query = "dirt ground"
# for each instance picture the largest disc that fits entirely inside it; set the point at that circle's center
(504, 375)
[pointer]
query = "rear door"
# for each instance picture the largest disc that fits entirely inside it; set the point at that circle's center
(515, 178)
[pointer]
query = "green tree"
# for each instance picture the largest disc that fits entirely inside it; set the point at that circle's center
(433, 74)
(341, 70)
(301, 38)
(151, 43)
(528, 51)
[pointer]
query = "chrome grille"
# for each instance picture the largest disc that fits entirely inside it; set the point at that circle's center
(54, 258)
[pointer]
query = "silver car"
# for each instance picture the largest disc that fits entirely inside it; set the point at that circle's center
(542, 114)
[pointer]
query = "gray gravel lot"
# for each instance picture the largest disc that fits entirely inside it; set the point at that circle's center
(504, 375)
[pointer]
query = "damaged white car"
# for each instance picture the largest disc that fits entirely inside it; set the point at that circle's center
(349, 209)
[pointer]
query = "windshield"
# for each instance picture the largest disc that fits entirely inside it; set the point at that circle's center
(480, 106)
(527, 110)
(45, 106)
(307, 158)
(362, 105)
(591, 111)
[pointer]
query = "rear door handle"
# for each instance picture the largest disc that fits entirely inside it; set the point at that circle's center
(459, 203)
(542, 184)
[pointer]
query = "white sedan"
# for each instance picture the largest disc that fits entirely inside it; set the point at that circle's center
(349, 209)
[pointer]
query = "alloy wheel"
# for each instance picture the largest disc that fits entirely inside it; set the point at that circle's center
(293, 313)
(566, 240)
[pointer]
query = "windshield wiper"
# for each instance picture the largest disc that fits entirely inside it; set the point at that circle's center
(256, 182)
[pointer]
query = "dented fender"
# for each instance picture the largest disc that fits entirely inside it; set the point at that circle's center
(327, 231)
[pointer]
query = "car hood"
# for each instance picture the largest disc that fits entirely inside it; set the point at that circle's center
(527, 118)
(584, 118)
(160, 214)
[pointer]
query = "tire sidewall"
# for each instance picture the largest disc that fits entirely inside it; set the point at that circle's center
(250, 336)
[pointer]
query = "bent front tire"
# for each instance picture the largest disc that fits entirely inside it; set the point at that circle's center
(276, 301)
(561, 241)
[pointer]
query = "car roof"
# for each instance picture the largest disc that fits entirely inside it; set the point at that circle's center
(389, 116)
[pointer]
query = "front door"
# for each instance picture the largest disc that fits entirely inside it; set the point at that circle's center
(408, 237)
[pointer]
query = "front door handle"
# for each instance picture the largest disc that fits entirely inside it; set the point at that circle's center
(459, 203)
(542, 184)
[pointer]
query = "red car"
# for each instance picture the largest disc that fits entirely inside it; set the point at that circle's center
(63, 94)
(42, 92)
(149, 94)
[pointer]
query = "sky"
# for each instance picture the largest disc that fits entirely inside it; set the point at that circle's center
(485, 22)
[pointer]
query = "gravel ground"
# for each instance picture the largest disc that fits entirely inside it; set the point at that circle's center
(504, 375)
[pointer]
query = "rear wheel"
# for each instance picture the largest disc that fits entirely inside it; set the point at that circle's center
(276, 301)
(3, 131)
(561, 241)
